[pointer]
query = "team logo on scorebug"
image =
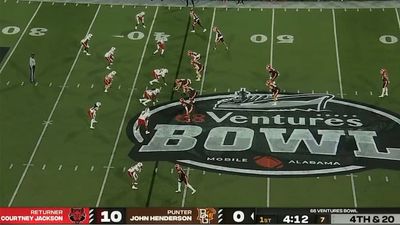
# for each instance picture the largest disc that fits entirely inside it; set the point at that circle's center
(247, 133)
(77, 215)
(205, 215)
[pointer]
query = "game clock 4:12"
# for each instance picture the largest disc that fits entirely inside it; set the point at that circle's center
(295, 219)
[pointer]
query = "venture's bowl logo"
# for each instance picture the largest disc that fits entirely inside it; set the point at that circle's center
(247, 133)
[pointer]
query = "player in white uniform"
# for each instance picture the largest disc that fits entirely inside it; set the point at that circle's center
(140, 20)
(143, 120)
(109, 56)
(160, 47)
(150, 96)
(108, 79)
(159, 74)
(133, 173)
(92, 114)
(85, 43)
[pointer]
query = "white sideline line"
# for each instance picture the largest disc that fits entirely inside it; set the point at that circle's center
(337, 54)
(50, 115)
(185, 190)
(353, 187)
(398, 18)
(126, 111)
(20, 38)
(207, 53)
(201, 88)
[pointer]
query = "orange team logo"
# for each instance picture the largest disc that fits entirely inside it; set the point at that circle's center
(77, 215)
(206, 215)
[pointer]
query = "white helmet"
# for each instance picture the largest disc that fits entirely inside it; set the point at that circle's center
(158, 90)
(165, 70)
(113, 73)
(112, 48)
(98, 104)
(90, 36)
(143, 13)
(140, 164)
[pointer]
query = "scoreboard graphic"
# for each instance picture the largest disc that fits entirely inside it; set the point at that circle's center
(199, 216)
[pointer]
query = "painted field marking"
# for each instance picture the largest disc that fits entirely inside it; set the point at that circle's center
(44, 167)
(398, 17)
(124, 169)
(20, 37)
(229, 90)
(11, 166)
(50, 84)
(353, 187)
(204, 172)
(126, 111)
(119, 87)
(337, 53)
(369, 178)
(386, 179)
(207, 53)
(185, 190)
(172, 170)
(60, 167)
(123, 6)
(370, 93)
(356, 93)
(76, 168)
(370, 9)
(91, 168)
(334, 177)
(78, 85)
(22, 83)
(50, 115)
(8, 83)
(36, 84)
(92, 86)
(312, 91)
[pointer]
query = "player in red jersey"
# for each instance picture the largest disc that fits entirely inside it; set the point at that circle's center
(92, 114)
(385, 79)
(191, 93)
(150, 96)
(143, 120)
(274, 90)
(273, 73)
(194, 56)
(198, 67)
(182, 83)
(108, 79)
(188, 106)
(109, 56)
(219, 38)
(160, 47)
(159, 74)
(182, 178)
(133, 173)
(140, 19)
(85, 43)
(196, 21)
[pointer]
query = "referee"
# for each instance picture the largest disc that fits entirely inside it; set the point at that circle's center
(32, 66)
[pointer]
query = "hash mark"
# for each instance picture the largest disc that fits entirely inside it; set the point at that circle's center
(76, 168)
(204, 172)
(146, 7)
(11, 166)
(387, 179)
(383, 9)
(297, 10)
(327, 92)
(215, 89)
(312, 91)
(78, 85)
(65, 3)
(119, 87)
(318, 178)
(8, 83)
(111, 6)
(51, 3)
(370, 9)
(169, 7)
(29, 2)
(203, 8)
(172, 171)
(345, 10)
(226, 9)
(123, 6)
(36, 84)
(261, 9)
(123, 169)
(356, 93)
(238, 9)
(60, 167)
(229, 90)
(298, 91)
(369, 178)
(88, 5)
(22, 83)
(308, 10)
(155, 171)
(285, 9)
(76, 4)
(334, 177)
(91, 169)
(44, 167)
(92, 86)
(180, 8)
(50, 84)
(320, 10)
(249, 9)
(370, 93)
(219, 174)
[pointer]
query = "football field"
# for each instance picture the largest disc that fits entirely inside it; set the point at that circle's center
(50, 157)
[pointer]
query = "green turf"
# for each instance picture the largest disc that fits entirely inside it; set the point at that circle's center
(308, 64)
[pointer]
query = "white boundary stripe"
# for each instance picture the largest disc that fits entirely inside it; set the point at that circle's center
(126, 111)
(208, 51)
(337, 53)
(50, 115)
(201, 88)
(353, 187)
(185, 189)
(271, 54)
(398, 18)
(20, 38)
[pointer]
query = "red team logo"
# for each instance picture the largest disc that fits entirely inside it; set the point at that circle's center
(77, 215)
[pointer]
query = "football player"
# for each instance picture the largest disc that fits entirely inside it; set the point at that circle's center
(196, 21)
(85, 43)
(92, 114)
(108, 79)
(159, 74)
(109, 56)
(194, 56)
(274, 90)
(198, 67)
(160, 47)
(133, 173)
(219, 38)
(191, 93)
(182, 178)
(273, 73)
(182, 83)
(150, 96)
(140, 20)
(188, 105)
(385, 80)
(143, 120)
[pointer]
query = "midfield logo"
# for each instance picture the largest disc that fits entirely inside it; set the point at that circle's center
(247, 133)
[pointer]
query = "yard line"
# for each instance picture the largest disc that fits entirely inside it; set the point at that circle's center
(20, 38)
(398, 18)
(50, 115)
(126, 110)
(272, 36)
(337, 53)
(207, 53)
(201, 88)
(268, 190)
(353, 187)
